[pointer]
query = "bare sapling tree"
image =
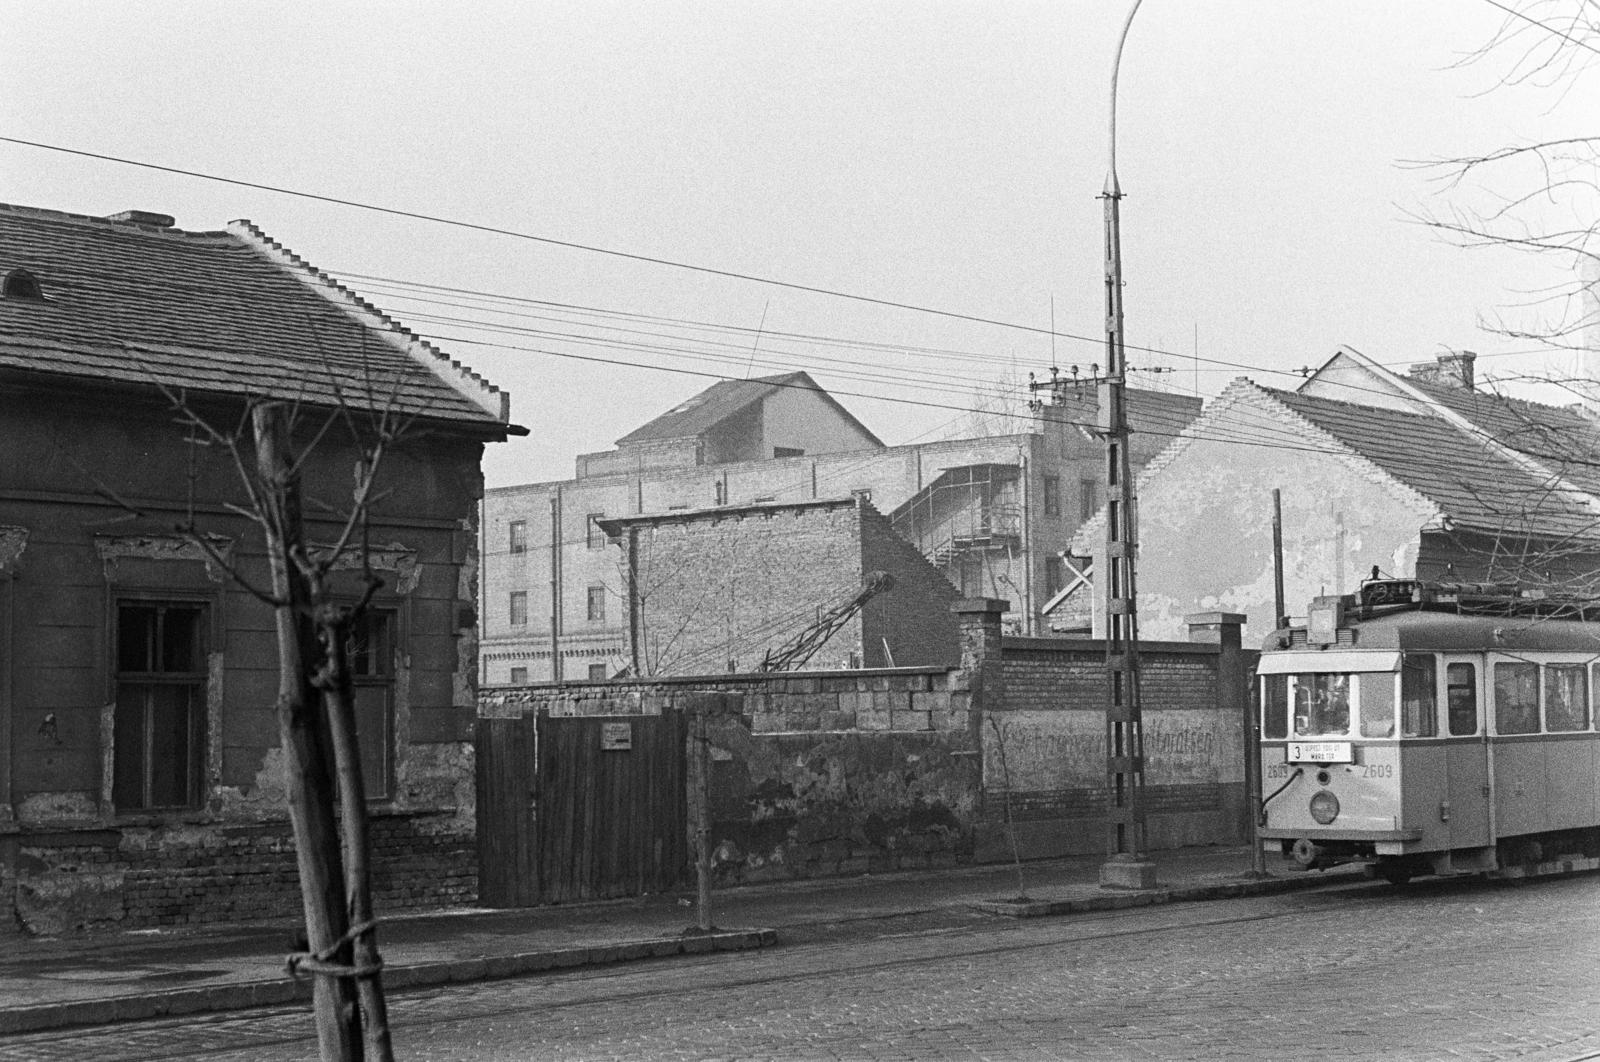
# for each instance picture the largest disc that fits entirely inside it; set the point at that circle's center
(318, 619)
(1010, 820)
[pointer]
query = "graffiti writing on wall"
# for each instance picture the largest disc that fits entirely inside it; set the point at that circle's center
(1064, 750)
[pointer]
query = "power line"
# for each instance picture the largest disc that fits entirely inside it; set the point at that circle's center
(547, 240)
(1542, 25)
(648, 259)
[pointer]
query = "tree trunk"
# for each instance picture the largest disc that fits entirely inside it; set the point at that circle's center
(307, 743)
(339, 696)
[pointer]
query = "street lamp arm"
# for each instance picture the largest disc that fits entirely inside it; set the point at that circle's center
(1112, 187)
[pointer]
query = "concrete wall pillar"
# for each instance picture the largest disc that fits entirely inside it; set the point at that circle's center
(981, 664)
(1235, 709)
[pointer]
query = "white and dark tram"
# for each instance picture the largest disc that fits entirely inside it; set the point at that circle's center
(1432, 729)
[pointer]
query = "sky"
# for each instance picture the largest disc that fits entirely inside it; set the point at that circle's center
(933, 166)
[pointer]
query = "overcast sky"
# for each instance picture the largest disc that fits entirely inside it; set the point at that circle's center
(942, 155)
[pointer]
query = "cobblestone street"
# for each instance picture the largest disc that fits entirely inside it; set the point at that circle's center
(1436, 971)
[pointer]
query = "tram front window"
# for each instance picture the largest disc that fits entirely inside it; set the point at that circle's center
(1321, 705)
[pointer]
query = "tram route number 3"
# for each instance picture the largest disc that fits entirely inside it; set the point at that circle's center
(1319, 752)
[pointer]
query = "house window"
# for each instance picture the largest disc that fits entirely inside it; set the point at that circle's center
(1088, 499)
(597, 537)
(1052, 495)
(519, 676)
(372, 673)
(597, 604)
(721, 492)
(518, 530)
(159, 726)
(519, 608)
(1055, 575)
(597, 672)
(788, 451)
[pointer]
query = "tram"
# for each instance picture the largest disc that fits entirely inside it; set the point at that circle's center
(1433, 729)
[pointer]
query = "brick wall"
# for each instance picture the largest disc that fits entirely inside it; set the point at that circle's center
(914, 618)
(712, 586)
(1052, 724)
(819, 773)
(164, 876)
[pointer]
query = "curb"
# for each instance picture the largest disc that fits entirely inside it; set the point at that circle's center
(1113, 900)
(280, 991)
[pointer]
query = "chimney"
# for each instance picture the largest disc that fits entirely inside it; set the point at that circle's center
(1451, 370)
(144, 217)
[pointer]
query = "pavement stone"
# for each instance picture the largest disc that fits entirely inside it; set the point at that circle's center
(102, 978)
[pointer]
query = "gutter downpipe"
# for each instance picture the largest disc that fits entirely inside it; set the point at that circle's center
(555, 586)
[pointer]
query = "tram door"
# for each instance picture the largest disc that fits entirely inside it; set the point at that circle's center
(1467, 752)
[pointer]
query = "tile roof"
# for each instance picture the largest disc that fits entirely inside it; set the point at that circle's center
(1566, 441)
(722, 400)
(1468, 480)
(229, 312)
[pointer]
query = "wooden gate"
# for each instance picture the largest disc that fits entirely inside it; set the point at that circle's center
(580, 808)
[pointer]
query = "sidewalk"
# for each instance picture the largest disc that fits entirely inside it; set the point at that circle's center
(55, 982)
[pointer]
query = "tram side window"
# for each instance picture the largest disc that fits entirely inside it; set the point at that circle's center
(1419, 695)
(1321, 704)
(1461, 693)
(1516, 698)
(1275, 707)
(1566, 698)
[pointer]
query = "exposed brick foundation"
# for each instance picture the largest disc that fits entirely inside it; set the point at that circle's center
(197, 874)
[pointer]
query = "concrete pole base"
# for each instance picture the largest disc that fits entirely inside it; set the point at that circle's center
(1127, 872)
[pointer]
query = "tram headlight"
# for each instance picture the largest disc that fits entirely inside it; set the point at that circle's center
(1324, 807)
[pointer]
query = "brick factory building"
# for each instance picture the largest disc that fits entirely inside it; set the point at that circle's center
(141, 778)
(995, 514)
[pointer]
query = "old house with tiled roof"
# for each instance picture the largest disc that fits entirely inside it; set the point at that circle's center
(1422, 475)
(140, 770)
(994, 514)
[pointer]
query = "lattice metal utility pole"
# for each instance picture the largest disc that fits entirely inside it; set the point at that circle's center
(1126, 865)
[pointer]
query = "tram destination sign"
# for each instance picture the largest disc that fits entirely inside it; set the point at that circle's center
(1319, 752)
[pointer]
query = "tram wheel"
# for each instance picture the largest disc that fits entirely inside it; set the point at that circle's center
(1395, 873)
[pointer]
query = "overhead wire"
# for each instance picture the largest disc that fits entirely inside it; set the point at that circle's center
(656, 260)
